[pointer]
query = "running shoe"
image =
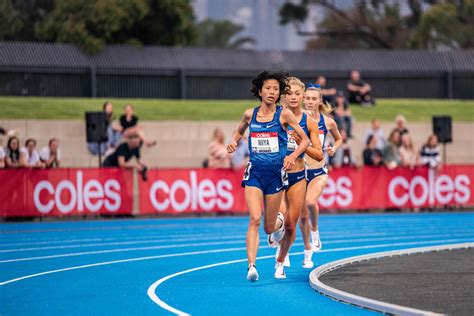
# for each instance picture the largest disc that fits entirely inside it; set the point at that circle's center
(307, 261)
(316, 244)
(280, 233)
(279, 271)
(252, 274)
(287, 262)
(271, 241)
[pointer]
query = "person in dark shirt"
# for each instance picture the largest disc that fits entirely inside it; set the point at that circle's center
(359, 90)
(129, 125)
(372, 156)
(122, 156)
(342, 113)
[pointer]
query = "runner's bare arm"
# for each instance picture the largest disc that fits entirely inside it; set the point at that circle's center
(332, 127)
(239, 133)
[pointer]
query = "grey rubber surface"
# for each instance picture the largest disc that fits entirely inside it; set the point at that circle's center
(441, 282)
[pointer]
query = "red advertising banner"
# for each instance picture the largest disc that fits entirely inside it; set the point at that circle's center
(192, 190)
(65, 192)
(176, 191)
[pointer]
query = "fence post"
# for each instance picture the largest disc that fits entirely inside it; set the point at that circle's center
(182, 84)
(449, 84)
(93, 80)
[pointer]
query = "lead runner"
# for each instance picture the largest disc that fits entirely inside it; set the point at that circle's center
(265, 176)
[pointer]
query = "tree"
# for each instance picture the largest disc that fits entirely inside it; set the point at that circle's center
(446, 24)
(18, 18)
(383, 24)
(221, 34)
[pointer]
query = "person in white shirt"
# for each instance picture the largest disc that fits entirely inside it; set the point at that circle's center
(376, 130)
(31, 155)
(51, 155)
(2, 158)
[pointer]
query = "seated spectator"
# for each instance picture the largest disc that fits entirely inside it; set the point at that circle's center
(241, 155)
(31, 155)
(391, 154)
(122, 156)
(51, 154)
(359, 90)
(342, 113)
(129, 125)
(371, 154)
(2, 158)
(13, 157)
(328, 93)
(217, 151)
(429, 153)
(343, 156)
(401, 124)
(408, 154)
(376, 130)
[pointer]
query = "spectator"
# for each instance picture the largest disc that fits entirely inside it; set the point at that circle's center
(2, 158)
(122, 156)
(241, 155)
(129, 125)
(113, 132)
(408, 154)
(430, 155)
(217, 151)
(13, 157)
(31, 155)
(342, 113)
(359, 90)
(376, 130)
(328, 93)
(343, 156)
(391, 155)
(51, 154)
(372, 155)
(400, 124)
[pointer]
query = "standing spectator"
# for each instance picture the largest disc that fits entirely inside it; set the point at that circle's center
(13, 157)
(129, 125)
(391, 154)
(31, 155)
(241, 155)
(342, 113)
(122, 156)
(51, 155)
(217, 151)
(359, 90)
(430, 155)
(113, 132)
(372, 155)
(343, 156)
(328, 93)
(376, 130)
(401, 124)
(408, 154)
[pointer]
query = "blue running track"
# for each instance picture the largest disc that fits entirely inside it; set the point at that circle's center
(189, 265)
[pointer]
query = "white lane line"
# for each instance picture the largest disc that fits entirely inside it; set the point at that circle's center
(235, 240)
(186, 238)
(364, 302)
(155, 298)
(212, 251)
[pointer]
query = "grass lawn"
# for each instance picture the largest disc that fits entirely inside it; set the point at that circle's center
(199, 110)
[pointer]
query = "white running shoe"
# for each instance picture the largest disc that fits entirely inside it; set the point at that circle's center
(280, 233)
(287, 262)
(279, 271)
(271, 241)
(316, 244)
(252, 274)
(307, 261)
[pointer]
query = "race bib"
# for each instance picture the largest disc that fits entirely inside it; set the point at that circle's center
(264, 142)
(292, 145)
(322, 138)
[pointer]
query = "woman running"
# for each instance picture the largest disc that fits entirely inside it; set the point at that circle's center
(317, 172)
(265, 175)
(294, 199)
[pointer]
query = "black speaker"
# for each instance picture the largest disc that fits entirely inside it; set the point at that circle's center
(442, 128)
(96, 127)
